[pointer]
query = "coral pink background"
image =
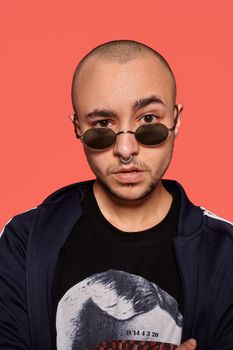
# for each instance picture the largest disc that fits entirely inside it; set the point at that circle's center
(41, 43)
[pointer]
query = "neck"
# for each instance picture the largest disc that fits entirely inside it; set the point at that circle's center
(132, 216)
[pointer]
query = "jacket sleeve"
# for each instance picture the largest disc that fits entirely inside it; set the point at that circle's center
(224, 341)
(221, 292)
(14, 316)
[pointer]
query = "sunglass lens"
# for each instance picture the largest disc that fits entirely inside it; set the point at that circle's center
(99, 138)
(151, 135)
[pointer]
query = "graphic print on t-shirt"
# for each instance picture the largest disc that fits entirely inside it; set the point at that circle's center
(116, 310)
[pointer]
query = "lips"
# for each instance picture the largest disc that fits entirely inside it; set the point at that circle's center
(127, 170)
(129, 175)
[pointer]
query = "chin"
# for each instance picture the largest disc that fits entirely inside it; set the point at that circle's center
(129, 191)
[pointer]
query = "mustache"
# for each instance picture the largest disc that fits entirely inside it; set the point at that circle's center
(142, 166)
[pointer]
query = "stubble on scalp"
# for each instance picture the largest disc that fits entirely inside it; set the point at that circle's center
(121, 51)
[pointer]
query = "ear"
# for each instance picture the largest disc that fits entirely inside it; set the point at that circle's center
(178, 111)
(75, 121)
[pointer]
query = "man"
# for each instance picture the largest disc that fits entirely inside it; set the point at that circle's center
(125, 261)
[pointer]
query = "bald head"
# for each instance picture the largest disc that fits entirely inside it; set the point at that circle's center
(122, 52)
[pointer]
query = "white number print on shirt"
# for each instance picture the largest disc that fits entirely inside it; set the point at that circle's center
(116, 310)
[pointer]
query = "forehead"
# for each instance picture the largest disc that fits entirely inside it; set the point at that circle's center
(115, 85)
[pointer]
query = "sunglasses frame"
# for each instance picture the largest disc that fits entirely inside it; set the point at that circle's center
(75, 117)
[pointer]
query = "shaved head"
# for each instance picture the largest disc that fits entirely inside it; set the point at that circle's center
(122, 52)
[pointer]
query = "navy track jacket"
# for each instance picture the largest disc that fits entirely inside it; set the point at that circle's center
(29, 248)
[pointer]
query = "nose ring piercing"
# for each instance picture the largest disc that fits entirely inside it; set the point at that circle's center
(126, 161)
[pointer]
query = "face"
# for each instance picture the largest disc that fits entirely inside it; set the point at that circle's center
(124, 97)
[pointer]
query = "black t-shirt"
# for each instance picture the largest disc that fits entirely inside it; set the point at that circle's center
(106, 278)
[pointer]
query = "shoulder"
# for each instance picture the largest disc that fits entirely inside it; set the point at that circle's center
(217, 224)
(197, 220)
(20, 226)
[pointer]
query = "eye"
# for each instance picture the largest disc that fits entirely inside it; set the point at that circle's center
(149, 118)
(102, 123)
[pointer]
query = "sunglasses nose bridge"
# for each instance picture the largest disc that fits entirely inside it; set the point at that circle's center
(125, 144)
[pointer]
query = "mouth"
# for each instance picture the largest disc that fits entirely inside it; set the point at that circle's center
(128, 170)
(128, 175)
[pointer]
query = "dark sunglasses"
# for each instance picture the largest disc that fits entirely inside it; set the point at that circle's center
(149, 135)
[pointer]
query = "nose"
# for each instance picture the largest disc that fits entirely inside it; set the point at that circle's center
(126, 145)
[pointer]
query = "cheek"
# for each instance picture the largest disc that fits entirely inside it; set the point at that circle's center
(158, 154)
(98, 161)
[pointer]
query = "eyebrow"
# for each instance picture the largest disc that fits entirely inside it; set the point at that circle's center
(139, 104)
(101, 113)
(144, 102)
